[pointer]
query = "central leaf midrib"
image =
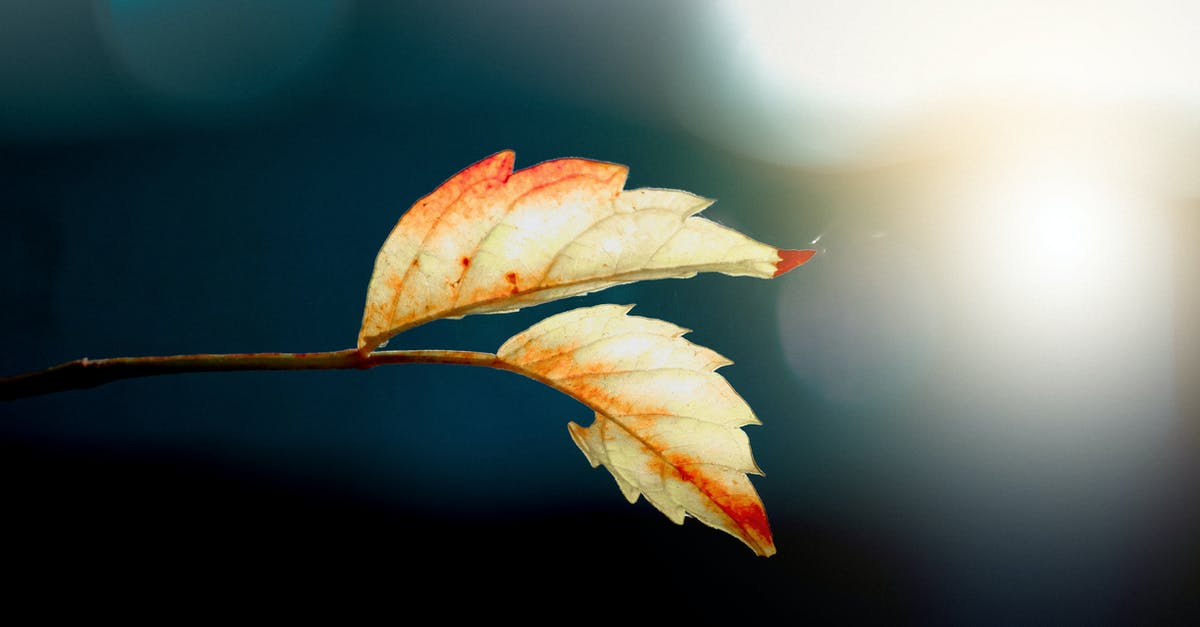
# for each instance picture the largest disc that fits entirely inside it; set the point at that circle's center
(624, 277)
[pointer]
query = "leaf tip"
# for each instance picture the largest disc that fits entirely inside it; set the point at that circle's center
(767, 550)
(789, 259)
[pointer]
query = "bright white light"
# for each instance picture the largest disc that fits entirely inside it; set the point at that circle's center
(1058, 232)
(1060, 251)
(1056, 228)
(842, 72)
(871, 52)
(1028, 267)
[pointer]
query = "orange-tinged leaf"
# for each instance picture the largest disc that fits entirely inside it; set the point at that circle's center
(667, 426)
(491, 240)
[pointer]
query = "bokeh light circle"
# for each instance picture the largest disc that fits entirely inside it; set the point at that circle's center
(857, 327)
(215, 52)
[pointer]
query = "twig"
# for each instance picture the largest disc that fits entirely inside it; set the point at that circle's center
(88, 373)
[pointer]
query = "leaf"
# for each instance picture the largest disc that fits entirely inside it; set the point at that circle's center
(489, 240)
(666, 425)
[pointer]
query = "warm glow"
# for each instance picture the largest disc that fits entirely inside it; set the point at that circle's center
(1025, 265)
(823, 79)
(1051, 227)
(869, 54)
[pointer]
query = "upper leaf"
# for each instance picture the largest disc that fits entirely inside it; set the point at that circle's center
(489, 240)
(666, 426)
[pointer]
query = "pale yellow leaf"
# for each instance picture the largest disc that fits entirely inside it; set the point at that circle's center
(667, 426)
(491, 240)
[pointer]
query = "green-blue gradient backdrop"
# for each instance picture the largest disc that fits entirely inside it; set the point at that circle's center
(187, 176)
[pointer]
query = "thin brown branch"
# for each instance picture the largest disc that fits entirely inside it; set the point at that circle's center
(88, 373)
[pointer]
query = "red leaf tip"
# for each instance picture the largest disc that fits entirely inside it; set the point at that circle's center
(789, 259)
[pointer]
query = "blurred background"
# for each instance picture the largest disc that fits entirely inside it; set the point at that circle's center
(979, 400)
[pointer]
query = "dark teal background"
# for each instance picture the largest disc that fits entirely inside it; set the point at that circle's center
(172, 184)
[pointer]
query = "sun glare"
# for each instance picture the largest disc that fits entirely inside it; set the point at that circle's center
(879, 54)
(820, 79)
(1056, 227)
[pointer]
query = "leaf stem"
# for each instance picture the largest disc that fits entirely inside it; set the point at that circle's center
(88, 373)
